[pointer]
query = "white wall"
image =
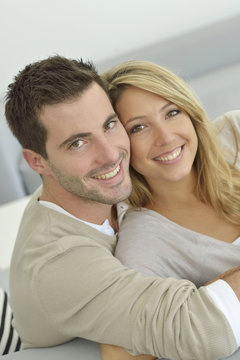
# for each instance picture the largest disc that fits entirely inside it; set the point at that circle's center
(95, 29)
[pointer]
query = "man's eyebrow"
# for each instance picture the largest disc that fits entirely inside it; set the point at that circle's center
(73, 138)
(143, 116)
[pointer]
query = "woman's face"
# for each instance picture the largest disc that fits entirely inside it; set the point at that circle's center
(163, 140)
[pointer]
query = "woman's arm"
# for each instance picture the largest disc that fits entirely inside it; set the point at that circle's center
(111, 352)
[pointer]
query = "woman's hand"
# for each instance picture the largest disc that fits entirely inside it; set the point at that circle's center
(232, 277)
(111, 352)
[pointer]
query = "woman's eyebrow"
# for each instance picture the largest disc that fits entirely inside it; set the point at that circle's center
(139, 117)
(135, 118)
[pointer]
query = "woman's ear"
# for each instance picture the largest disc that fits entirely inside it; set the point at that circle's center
(36, 161)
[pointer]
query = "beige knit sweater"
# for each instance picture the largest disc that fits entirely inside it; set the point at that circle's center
(65, 283)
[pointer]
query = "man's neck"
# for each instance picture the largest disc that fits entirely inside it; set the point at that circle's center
(89, 211)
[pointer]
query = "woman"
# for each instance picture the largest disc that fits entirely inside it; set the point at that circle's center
(184, 216)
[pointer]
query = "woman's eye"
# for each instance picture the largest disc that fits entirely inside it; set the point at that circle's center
(76, 144)
(172, 113)
(136, 128)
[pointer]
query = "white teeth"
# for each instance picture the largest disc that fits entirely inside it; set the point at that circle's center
(171, 156)
(108, 175)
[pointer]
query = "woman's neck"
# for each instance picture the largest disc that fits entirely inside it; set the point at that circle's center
(173, 195)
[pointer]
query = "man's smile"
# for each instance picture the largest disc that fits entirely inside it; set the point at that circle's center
(108, 175)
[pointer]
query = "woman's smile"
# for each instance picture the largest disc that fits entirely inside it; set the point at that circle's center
(171, 156)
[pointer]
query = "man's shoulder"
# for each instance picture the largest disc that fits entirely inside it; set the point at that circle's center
(46, 232)
(228, 127)
(228, 121)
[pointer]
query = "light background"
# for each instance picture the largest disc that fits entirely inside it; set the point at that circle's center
(97, 29)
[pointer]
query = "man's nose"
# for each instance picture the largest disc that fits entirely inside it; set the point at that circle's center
(106, 151)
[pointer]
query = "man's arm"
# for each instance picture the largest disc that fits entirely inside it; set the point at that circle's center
(112, 304)
(225, 295)
(110, 352)
(228, 126)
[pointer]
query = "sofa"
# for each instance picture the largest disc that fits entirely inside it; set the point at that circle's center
(208, 58)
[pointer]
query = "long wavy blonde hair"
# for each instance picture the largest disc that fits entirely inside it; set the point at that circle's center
(218, 183)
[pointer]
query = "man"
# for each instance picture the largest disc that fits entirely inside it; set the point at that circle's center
(65, 282)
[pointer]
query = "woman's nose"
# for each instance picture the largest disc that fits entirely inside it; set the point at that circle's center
(163, 134)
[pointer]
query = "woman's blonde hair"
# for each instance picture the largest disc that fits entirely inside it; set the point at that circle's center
(218, 182)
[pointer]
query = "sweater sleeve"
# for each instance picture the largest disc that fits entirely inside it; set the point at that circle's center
(99, 299)
(225, 298)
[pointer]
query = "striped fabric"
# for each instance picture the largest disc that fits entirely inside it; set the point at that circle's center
(9, 339)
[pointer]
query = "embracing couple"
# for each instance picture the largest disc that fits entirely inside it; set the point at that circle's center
(178, 231)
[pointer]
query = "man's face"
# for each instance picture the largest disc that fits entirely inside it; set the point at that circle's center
(88, 148)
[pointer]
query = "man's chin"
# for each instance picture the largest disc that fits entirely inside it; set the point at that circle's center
(115, 198)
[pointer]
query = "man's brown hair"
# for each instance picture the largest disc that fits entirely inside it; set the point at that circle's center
(45, 82)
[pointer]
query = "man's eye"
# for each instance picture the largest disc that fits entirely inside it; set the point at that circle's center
(136, 128)
(110, 125)
(172, 113)
(76, 144)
